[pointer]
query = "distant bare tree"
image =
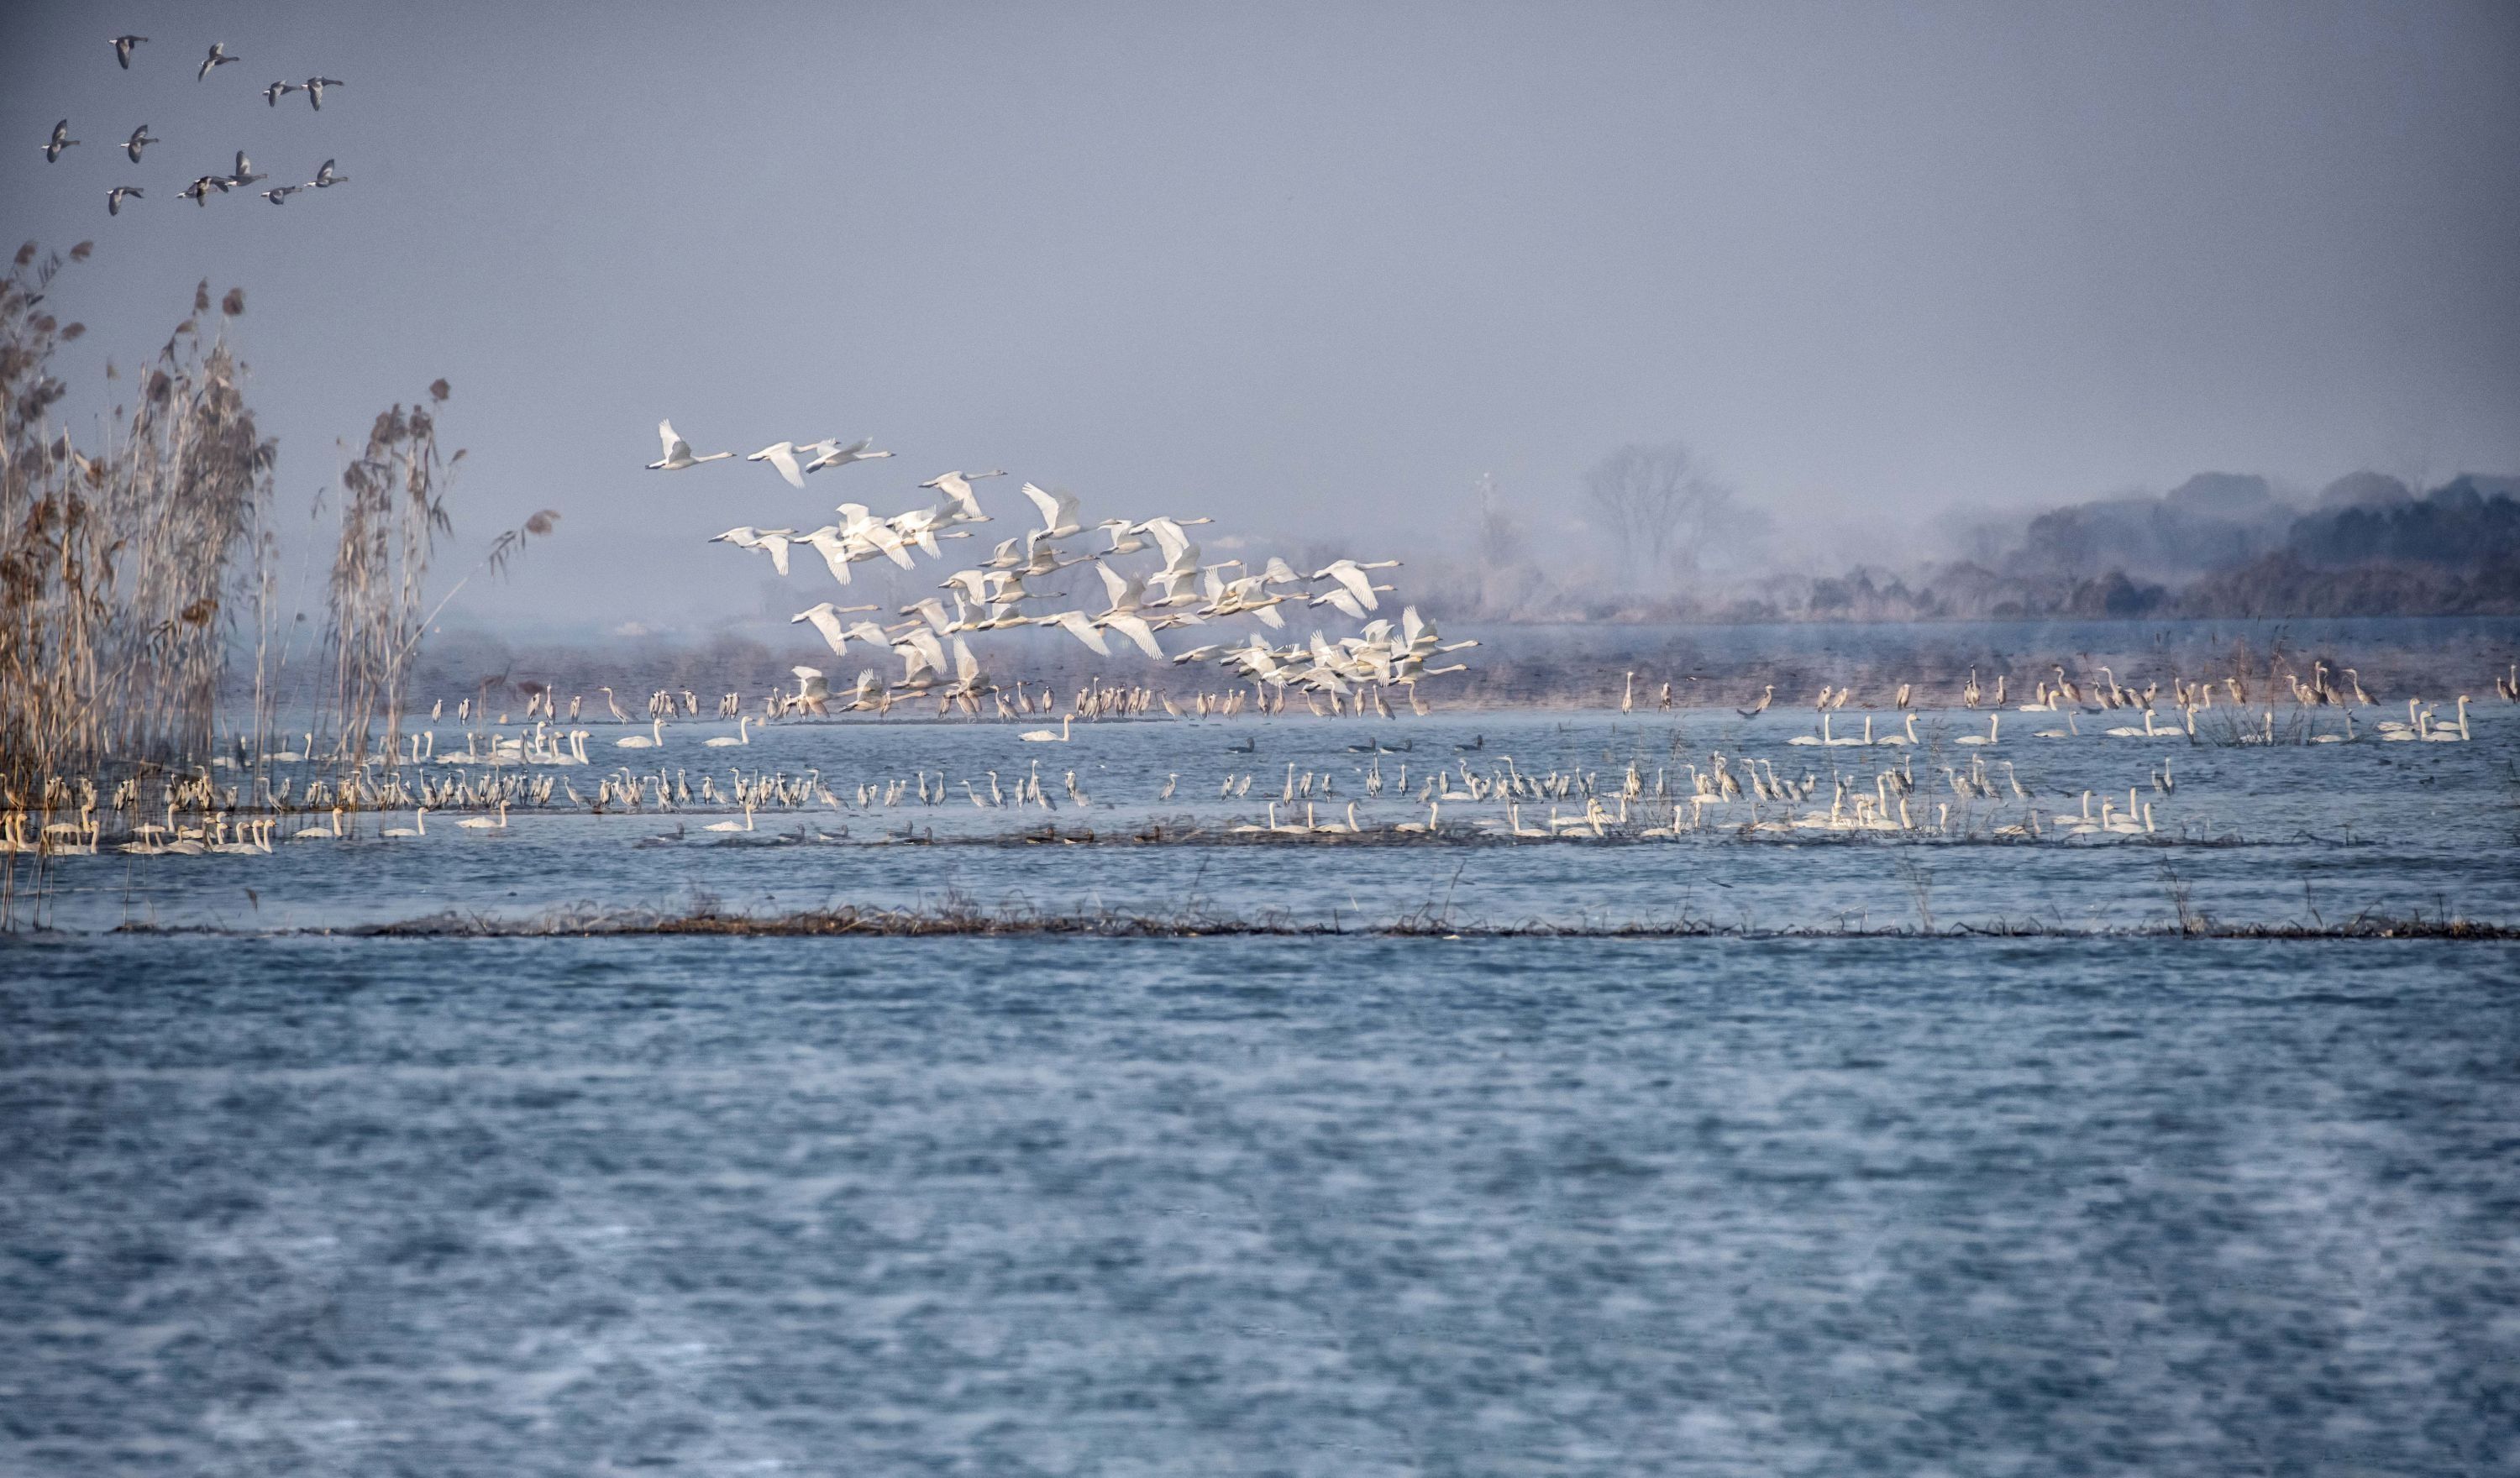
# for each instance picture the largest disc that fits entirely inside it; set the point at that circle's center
(1507, 575)
(1499, 534)
(1658, 506)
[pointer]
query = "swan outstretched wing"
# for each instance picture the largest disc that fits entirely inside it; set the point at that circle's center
(828, 624)
(1073, 622)
(1358, 582)
(777, 544)
(782, 456)
(1136, 631)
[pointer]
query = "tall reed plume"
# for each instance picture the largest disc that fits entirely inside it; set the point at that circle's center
(121, 572)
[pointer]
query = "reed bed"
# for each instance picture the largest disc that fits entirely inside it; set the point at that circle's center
(123, 568)
(137, 568)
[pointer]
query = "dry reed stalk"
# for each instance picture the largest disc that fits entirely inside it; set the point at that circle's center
(117, 570)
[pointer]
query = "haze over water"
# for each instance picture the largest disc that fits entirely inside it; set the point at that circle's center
(1928, 1076)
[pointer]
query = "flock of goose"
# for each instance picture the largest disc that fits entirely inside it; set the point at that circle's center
(1009, 590)
(242, 175)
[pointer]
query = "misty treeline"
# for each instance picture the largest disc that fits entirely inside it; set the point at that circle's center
(141, 570)
(1660, 537)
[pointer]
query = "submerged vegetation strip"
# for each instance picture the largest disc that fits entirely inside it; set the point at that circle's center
(961, 918)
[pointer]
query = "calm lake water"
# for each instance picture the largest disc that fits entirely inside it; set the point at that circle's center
(1800, 1201)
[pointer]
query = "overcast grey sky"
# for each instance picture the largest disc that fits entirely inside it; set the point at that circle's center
(1309, 268)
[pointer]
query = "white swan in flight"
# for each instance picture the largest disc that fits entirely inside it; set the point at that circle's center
(1076, 624)
(1136, 628)
(1124, 537)
(1057, 512)
(774, 540)
(957, 486)
(782, 455)
(678, 452)
(839, 551)
(1168, 533)
(867, 528)
(829, 452)
(827, 620)
(1351, 573)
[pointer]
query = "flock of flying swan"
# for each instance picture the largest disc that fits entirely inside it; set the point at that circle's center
(242, 175)
(1007, 590)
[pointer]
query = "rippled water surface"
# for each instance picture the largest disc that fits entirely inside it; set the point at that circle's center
(1806, 1197)
(1324, 1206)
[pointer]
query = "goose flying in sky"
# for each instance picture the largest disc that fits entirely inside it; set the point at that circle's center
(218, 56)
(114, 197)
(123, 49)
(61, 140)
(139, 140)
(314, 89)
